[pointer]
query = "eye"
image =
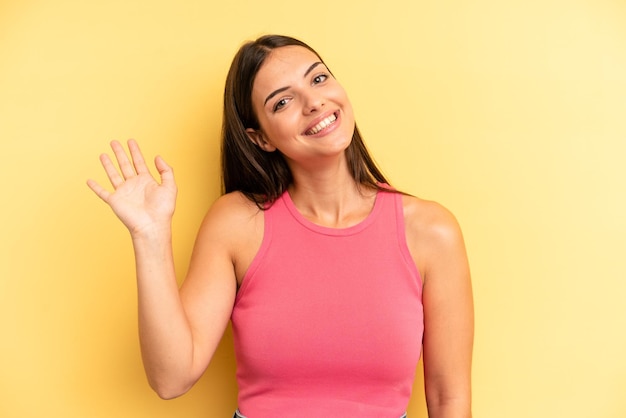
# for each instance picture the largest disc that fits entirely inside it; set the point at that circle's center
(320, 78)
(280, 104)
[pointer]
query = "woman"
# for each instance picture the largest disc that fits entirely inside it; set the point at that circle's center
(335, 283)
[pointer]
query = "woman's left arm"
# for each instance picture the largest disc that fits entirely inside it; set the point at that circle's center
(437, 246)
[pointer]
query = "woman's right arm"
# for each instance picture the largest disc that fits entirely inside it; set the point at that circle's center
(179, 330)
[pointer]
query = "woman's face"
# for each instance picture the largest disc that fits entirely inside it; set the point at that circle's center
(302, 110)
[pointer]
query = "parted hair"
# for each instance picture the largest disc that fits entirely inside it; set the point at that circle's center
(260, 175)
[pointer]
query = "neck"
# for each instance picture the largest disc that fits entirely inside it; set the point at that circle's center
(330, 196)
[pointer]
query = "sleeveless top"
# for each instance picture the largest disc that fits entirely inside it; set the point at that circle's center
(329, 321)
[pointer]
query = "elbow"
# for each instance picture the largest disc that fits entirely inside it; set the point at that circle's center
(446, 400)
(168, 391)
(454, 406)
(167, 395)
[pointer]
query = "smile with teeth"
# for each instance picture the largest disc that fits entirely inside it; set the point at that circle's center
(323, 124)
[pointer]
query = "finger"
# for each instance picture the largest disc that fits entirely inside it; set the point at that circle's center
(166, 172)
(126, 167)
(137, 156)
(111, 171)
(100, 191)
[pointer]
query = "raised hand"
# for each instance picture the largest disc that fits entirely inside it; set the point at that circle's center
(138, 199)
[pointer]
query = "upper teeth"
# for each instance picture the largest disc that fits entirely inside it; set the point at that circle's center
(322, 125)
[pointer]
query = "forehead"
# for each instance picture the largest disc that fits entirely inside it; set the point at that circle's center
(282, 65)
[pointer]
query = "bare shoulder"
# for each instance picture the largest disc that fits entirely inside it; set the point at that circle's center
(233, 206)
(429, 218)
(230, 216)
(432, 231)
(234, 227)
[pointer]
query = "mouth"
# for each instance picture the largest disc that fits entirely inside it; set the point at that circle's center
(323, 124)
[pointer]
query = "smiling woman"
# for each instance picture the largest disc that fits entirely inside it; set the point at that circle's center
(335, 283)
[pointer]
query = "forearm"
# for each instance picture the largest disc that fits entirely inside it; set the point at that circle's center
(164, 332)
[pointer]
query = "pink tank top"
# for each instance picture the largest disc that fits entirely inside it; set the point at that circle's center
(329, 322)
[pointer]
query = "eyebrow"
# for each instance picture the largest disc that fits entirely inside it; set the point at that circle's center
(280, 90)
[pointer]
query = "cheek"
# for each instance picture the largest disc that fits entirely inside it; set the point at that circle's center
(347, 106)
(342, 97)
(279, 126)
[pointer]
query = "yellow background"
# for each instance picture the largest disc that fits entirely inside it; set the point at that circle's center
(510, 113)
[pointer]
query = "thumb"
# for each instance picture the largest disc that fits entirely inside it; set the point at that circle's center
(165, 171)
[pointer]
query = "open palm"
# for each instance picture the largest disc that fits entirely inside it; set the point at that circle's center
(138, 199)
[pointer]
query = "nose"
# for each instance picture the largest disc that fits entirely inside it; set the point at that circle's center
(313, 102)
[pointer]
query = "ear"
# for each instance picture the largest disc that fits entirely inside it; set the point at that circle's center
(256, 136)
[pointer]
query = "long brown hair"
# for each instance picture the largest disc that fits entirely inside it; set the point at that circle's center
(264, 176)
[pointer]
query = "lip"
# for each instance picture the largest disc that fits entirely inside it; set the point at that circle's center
(327, 129)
